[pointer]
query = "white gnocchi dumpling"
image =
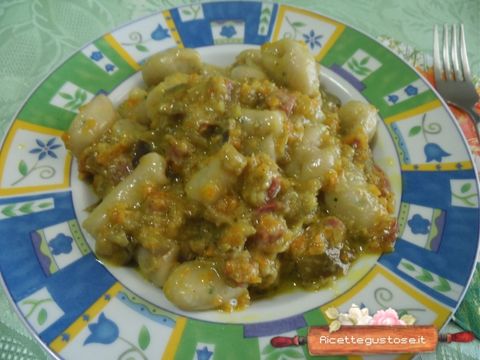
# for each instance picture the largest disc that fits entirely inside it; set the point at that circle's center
(248, 65)
(135, 107)
(290, 63)
(214, 178)
(170, 61)
(356, 116)
(266, 130)
(156, 95)
(130, 191)
(310, 158)
(262, 122)
(243, 72)
(92, 121)
(354, 202)
(197, 285)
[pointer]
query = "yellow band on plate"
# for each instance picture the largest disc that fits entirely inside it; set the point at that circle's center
(449, 166)
(417, 111)
(121, 51)
(172, 28)
(175, 338)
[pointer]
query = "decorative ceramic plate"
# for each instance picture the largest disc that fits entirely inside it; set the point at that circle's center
(80, 308)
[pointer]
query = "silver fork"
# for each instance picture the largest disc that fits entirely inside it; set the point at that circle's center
(452, 76)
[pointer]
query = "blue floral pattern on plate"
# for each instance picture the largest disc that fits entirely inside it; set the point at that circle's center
(312, 39)
(159, 33)
(228, 31)
(104, 331)
(419, 225)
(204, 353)
(61, 244)
(432, 151)
(96, 55)
(45, 149)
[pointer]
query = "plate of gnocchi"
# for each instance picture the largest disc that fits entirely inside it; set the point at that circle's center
(214, 175)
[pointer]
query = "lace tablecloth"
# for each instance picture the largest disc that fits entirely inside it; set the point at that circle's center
(37, 35)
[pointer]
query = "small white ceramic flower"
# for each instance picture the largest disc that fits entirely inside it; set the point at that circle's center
(345, 319)
(359, 316)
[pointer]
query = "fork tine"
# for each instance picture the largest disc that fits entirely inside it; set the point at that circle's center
(456, 65)
(446, 55)
(437, 63)
(463, 55)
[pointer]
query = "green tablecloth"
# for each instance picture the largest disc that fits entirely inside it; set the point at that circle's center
(37, 35)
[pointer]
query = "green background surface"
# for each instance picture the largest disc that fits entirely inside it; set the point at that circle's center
(37, 35)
